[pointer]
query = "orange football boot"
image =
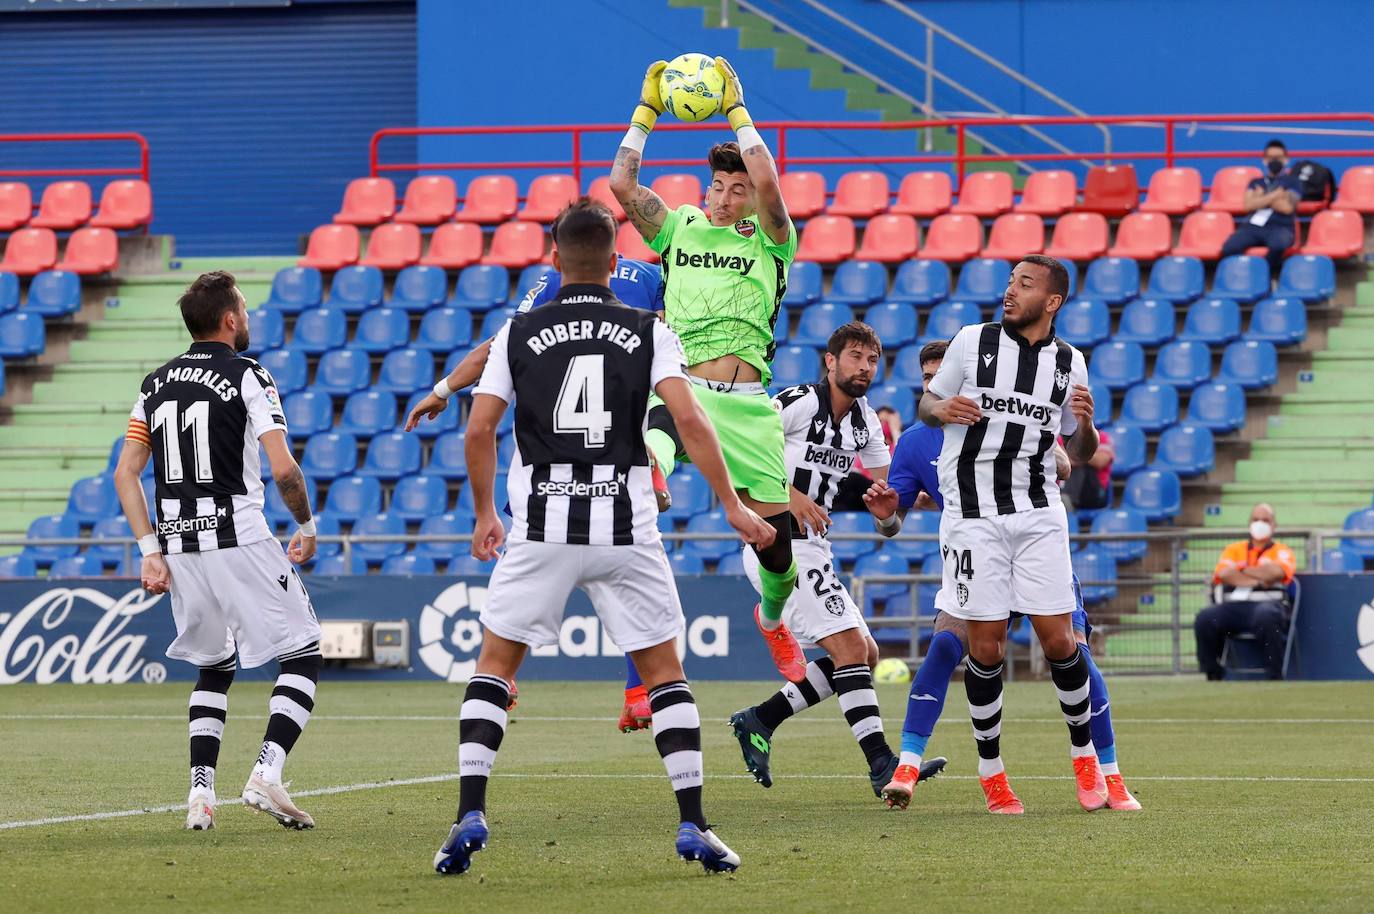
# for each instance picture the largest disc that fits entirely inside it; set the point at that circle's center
(787, 653)
(1001, 800)
(1092, 789)
(1118, 797)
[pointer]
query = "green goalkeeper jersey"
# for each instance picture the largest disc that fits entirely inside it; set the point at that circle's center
(723, 285)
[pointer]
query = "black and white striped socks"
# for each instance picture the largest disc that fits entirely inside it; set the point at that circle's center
(983, 685)
(1070, 677)
(293, 699)
(859, 702)
(209, 706)
(796, 697)
(677, 734)
(481, 727)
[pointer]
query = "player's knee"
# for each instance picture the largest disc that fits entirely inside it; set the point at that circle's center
(777, 558)
(872, 651)
(848, 648)
(986, 648)
(1059, 645)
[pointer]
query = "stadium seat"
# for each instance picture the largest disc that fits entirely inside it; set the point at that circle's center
(895, 324)
(125, 204)
(1241, 277)
(630, 244)
(335, 565)
(367, 201)
(1250, 363)
(1228, 189)
(907, 546)
(381, 330)
(1336, 233)
(391, 455)
(102, 553)
(1048, 193)
(1173, 191)
(1176, 279)
(85, 565)
(464, 565)
(1121, 521)
(858, 282)
(983, 281)
(91, 251)
(924, 194)
(947, 318)
(1102, 402)
(51, 526)
(843, 522)
(331, 247)
(453, 523)
(494, 321)
(1183, 363)
(431, 199)
(29, 251)
(1217, 406)
(419, 288)
(530, 277)
(1110, 190)
(953, 237)
(1203, 235)
(453, 246)
(516, 245)
(899, 398)
(600, 191)
(679, 190)
(353, 497)
(1079, 236)
(417, 497)
(1212, 320)
(19, 565)
(1157, 494)
(21, 335)
(985, 194)
(296, 288)
(274, 507)
(54, 293)
(818, 322)
(1356, 192)
(1128, 443)
(392, 246)
(860, 195)
(827, 239)
(499, 495)
(1359, 521)
(548, 195)
(342, 371)
(9, 292)
(1342, 561)
(1084, 322)
(804, 285)
(794, 365)
(481, 287)
(1117, 364)
(318, 330)
(883, 563)
(890, 238)
(356, 288)
(691, 495)
(1112, 279)
(446, 454)
(408, 565)
(906, 367)
(406, 370)
(308, 412)
(287, 367)
(1096, 569)
(1143, 236)
(1188, 450)
(368, 412)
(1261, 251)
(684, 563)
(91, 499)
(65, 205)
(16, 205)
(1014, 235)
(444, 329)
(920, 282)
(1311, 277)
(804, 193)
(1281, 321)
(1152, 406)
(1147, 321)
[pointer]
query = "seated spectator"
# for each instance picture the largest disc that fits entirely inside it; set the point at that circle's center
(1250, 590)
(1271, 201)
(1090, 484)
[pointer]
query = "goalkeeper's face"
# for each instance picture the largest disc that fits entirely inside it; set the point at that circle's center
(730, 198)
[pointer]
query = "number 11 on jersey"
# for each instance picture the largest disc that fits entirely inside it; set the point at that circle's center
(581, 407)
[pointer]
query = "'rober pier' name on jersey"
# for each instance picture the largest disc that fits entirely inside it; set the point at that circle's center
(711, 261)
(217, 382)
(567, 331)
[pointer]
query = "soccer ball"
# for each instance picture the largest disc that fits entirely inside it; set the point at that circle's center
(691, 87)
(892, 671)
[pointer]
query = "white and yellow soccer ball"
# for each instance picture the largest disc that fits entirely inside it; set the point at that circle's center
(892, 671)
(691, 87)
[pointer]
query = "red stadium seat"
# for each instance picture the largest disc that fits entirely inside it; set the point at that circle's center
(1203, 234)
(125, 205)
(1079, 236)
(924, 194)
(601, 192)
(65, 205)
(1174, 191)
(430, 199)
(16, 205)
(393, 246)
(331, 247)
(1356, 193)
(860, 195)
(516, 245)
(91, 250)
(1111, 190)
(985, 194)
(953, 237)
(677, 190)
(367, 201)
(1335, 233)
(1143, 236)
(454, 245)
(1228, 189)
(1014, 235)
(890, 239)
(29, 251)
(548, 196)
(1048, 193)
(491, 199)
(804, 193)
(1261, 251)
(628, 243)
(827, 239)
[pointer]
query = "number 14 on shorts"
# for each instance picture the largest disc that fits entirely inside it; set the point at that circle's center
(961, 561)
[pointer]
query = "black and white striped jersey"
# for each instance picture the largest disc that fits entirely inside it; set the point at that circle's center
(1005, 462)
(579, 371)
(821, 447)
(202, 414)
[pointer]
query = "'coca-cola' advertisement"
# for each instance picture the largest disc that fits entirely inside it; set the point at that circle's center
(97, 633)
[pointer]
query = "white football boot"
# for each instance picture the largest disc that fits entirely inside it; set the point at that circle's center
(276, 802)
(200, 810)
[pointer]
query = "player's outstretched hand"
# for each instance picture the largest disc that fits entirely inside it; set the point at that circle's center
(881, 500)
(430, 408)
(1081, 404)
(957, 411)
(751, 528)
(734, 91)
(648, 92)
(301, 549)
(809, 515)
(488, 535)
(155, 574)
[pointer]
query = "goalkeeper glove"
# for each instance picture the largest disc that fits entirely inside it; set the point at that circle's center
(732, 100)
(650, 103)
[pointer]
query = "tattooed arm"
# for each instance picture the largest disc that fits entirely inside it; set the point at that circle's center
(773, 218)
(644, 207)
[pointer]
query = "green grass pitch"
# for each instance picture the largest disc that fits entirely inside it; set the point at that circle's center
(1258, 797)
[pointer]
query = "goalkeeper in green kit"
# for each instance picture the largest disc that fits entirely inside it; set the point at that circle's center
(724, 275)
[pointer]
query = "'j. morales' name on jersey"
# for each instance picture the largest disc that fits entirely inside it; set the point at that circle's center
(217, 382)
(567, 331)
(710, 261)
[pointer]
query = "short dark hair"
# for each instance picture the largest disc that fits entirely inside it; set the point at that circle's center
(206, 301)
(726, 157)
(585, 234)
(933, 351)
(1059, 275)
(1276, 142)
(853, 333)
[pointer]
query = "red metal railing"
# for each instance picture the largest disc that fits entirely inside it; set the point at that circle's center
(138, 139)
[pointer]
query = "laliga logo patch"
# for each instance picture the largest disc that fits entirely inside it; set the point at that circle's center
(962, 592)
(834, 604)
(272, 399)
(861, 438)
(1061, 378)
(745, 228)
(449, 624)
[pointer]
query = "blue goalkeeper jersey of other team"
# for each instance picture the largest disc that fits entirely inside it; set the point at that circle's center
(636, 283)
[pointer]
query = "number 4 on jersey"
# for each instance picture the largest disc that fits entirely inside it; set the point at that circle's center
(581, 407)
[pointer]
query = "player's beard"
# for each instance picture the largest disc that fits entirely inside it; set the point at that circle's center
(1027, 317)
(241, 339)
(853, 386)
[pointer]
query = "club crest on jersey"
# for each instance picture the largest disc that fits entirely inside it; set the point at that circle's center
(834, 604)
(745, 228)
(962, 591)
(1061, 378)
(861, 438)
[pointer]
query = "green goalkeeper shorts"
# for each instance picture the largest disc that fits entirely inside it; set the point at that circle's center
(750, 431)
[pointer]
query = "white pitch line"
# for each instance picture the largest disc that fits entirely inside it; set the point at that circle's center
(422, 718)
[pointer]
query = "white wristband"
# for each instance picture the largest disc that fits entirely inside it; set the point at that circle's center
(148, 545)
(635, 139)
(748, 137)
(888, 523)
(442, 390)
(308, 528)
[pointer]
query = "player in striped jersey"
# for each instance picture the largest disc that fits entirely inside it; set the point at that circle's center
(236, 599)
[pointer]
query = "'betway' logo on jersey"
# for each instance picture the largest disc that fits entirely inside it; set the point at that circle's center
(1015, 406)
(606, 489)
(829, 458)
(710, 261)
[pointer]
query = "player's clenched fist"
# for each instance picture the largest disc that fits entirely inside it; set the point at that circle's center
(1081, 404)
(156, 576)
(650, 100)
(957, 411)
(487, 537)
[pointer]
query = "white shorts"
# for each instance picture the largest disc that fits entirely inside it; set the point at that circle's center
(244, 598)
(821, 605)
(994, 565)
(631, 588)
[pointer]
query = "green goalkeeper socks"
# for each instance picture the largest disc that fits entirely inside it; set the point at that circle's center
(664, 450)
(776, 589)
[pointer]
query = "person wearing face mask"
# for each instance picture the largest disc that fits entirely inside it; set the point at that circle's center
(1271, 200)
(1250, 588)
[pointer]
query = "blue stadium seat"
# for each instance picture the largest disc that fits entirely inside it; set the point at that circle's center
(368, 412)
(1102, 402)
(92, 498)
(9, 291)
(1241, 277)
(334, 565)
(381, 330)
(932, 565)
(452, 523)
(691, 494)
(417, 497)
(287, 367)
(818, 322)
(1342, 561)
(498, 495)
(330, 454)
(447, 457)
(894, 322)
(453, 359)
(296, 288)
(353, 497)
(419, 288)
(444, 329)
(266, 330)
(355, 288)
(890, 592)
(1084, 322)
(17, 565)
(391, 455)
(1281, 321)
(54, 293)
(920, 282)
(902, 399)
(319, 330)
(1176, 279)
(466, 566)
(326, 525)
(983, 281)
(712, 550)
(1361, 521)
(387, 524)
(1072, 269)
(1157, 494)
(796, 365)
(851, 522)
(530, 277)
(408, 565)
(104, 553)
(21, 335)
(1117, 364)
(116, 449)
(914, 550)
(906, 367)
(1094, 564)
(308, 412)
(1219, 407)
(51, 526)
(1152, 406)
(1183, 363)
(685, 562)
(803, 285)
(446, 421)
(342, 371)
(85, 565)
(1186, 449)
(948, 318)
(405, 371)
(1212, 320)
(858, 282)
(1147, 321)
(733, 563)
(1112, 279)
(480, 287)
(274, 508)
(781, 325)
(1128, 442)
(1119, 521)
(494, 321)
(1311, 277)
(1250, 363)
